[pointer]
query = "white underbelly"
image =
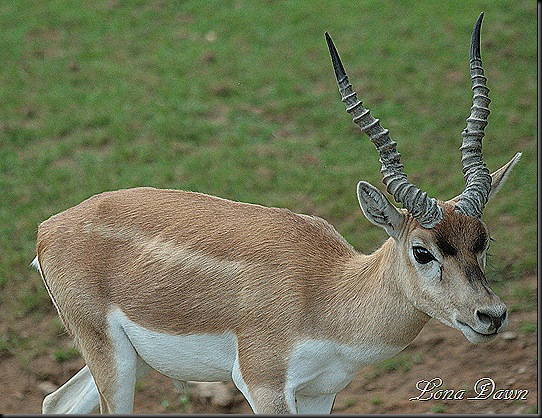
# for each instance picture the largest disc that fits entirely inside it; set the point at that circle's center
(198, 357)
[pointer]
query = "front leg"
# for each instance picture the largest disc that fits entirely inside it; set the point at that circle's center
(315, 404)
(271, 400)
(262, 382)
(264, 399)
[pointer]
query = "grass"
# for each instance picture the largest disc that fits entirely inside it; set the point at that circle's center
(376, 401)
(66, 354)
(401, 362)
(438, 409)
(528, 327)
(9, 343)
(524, 298)
(238, 99)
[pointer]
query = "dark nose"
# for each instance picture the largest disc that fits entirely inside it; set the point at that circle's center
(492, 317)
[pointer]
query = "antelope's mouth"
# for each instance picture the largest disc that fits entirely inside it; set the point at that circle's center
(472, 335)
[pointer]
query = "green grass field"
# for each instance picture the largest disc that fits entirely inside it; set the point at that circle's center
(238, 99)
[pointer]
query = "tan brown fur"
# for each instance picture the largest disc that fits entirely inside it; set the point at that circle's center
(171, 245)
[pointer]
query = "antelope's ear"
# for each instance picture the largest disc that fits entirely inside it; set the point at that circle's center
(498, 177)
(378, 209)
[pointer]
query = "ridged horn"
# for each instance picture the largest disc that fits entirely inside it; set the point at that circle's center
(477, 178)
(424, 209)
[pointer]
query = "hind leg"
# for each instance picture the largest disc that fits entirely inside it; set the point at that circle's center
(78, 395)
(112, 360)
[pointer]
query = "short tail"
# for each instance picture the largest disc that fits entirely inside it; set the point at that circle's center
(36, 264)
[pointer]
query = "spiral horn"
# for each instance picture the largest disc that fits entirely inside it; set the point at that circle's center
(472, 200)
(424, 209)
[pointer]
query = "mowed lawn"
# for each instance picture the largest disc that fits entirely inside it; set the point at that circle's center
(238, 99)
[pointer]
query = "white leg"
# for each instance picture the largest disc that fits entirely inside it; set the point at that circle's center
(315, 404)
(78, 395)
(241, 385)
(118, 392)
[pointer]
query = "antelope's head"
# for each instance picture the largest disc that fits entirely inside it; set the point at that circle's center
(441, 244)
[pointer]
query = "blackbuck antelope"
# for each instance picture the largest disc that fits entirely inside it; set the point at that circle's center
(206, 289)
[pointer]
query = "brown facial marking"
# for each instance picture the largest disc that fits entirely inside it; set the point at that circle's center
(476, 278)
(463, 237)
(445, 247)
(458, 233)
(480, 243)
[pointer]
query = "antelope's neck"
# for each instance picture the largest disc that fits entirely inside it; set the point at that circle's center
(369, 303)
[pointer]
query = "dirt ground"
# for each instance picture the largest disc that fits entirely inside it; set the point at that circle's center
(36, 366)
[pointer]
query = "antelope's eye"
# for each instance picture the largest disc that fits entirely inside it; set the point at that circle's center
(422, 255)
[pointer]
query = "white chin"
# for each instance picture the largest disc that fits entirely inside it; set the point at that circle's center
(473, 336)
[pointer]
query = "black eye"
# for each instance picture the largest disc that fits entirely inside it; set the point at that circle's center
(422, 255)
